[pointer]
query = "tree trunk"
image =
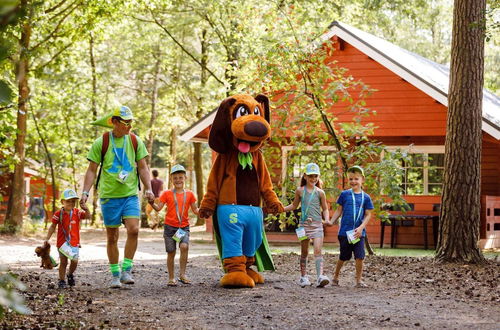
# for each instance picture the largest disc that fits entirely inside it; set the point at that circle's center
(51, 163)
(461, 205)
(173, 153)
(94, 117)
(197, 159)
(15, 208)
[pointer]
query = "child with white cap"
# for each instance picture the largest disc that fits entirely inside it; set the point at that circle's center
(176, 227)
(67, 220)
(314, 210)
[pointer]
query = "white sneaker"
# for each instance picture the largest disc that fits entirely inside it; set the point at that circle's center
(126, 277)
(322, 281)
(115, 283)
(304, 281)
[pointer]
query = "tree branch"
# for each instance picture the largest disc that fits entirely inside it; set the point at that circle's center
(185, 50)
(48, 11)
(54, 57)
(56, 28)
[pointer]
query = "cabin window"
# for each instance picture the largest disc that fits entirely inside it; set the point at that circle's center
(423, 171)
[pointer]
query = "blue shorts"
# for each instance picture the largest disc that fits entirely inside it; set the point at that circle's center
(347, 249)
(116, 209)
(240, 228)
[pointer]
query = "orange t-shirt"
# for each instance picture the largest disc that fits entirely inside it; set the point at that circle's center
(167, 198)
(75, 226)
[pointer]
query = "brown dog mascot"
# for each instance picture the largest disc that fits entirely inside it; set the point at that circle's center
(44, 253)
(239, 179)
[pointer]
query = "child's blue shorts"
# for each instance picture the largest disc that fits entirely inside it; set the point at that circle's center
(116, 209)
(347, 249)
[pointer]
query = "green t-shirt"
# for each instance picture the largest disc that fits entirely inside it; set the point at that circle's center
(115, 163)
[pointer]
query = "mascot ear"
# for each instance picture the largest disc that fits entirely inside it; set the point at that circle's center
(264, 100)
(221, 137)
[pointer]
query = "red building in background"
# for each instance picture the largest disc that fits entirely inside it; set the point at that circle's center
(411, 103)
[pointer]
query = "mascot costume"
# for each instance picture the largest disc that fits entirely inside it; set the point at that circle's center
(239, 179)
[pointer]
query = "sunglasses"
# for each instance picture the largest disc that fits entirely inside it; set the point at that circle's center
(126, 123)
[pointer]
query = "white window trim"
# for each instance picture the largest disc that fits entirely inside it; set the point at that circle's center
(412, 149)
(284, 160)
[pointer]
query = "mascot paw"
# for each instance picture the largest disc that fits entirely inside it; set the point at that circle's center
(256, 277)
(275, 208)
(205, 213)
(237, 280)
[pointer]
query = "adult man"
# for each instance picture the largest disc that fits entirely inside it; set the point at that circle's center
(118, 186)
(157, 187)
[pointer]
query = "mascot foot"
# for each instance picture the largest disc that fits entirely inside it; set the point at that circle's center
(236, 276)
(256, 277)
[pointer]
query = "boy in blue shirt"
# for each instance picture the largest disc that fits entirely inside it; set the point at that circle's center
(355, 206)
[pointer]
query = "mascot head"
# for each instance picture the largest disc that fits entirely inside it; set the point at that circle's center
(242, 123)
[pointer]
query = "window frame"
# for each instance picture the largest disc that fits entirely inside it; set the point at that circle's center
(424, 150)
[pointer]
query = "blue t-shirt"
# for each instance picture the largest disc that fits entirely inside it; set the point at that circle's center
(347, 221)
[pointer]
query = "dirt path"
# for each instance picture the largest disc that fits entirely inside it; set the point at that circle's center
(404, 293)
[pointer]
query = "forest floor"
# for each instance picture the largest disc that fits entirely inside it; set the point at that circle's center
(403, 292)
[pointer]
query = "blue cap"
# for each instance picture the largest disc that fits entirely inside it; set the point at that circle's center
(312, 168)
(69, 194)
(177, 168)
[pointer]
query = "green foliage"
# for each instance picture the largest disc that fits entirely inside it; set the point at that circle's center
(310, 94)
(10, 299)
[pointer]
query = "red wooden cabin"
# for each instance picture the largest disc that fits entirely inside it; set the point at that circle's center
(411, 105)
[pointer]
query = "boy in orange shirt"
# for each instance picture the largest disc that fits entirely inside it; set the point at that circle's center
(67, 220)
(176, 227)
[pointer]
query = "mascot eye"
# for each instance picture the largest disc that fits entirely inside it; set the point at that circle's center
(256, 111)
(241, 111)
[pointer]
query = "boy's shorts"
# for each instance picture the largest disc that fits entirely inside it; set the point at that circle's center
(347, 249)
(114, 210)
(169, 232)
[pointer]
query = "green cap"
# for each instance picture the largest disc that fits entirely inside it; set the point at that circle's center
(356, 169)
(312, 168)
(69, 194)
(177, 168)
(123, 112)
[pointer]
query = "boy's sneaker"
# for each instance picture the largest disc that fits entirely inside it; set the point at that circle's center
(126, 277)
(71, 280)
(304, 281)
(322, 281)
(62, 284)
(115, 282)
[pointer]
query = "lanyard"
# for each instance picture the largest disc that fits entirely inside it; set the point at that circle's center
(179, 216)
(304, 214)
(66, 235)
(356, 216)
(120, 159)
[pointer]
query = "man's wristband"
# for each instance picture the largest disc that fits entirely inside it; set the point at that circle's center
(86, 193)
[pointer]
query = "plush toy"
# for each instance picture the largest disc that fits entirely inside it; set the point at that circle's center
(44, 252)
(238, 181)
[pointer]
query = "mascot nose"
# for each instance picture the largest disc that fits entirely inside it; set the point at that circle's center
(255, 128)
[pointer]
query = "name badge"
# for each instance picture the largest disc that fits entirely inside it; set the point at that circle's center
(301, 233)
(179, 235)
(71, 252)
(351, 238)
(122, 176)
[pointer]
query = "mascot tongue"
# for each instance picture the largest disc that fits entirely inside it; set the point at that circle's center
(243, 147)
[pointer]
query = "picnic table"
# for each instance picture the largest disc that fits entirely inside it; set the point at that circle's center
(403, 220)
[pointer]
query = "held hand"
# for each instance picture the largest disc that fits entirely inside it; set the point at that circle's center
(150, 196)
(328, 223)
(83, 202)
(358, 232)
(205, 213)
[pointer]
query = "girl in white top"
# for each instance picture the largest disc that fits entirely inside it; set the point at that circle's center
(314, 212)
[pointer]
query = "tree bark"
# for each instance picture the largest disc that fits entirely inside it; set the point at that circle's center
(94, 117)
(15, 208)
(461, 205)
(197, 157)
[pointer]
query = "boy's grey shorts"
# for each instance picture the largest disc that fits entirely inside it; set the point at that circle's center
(168, 233)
